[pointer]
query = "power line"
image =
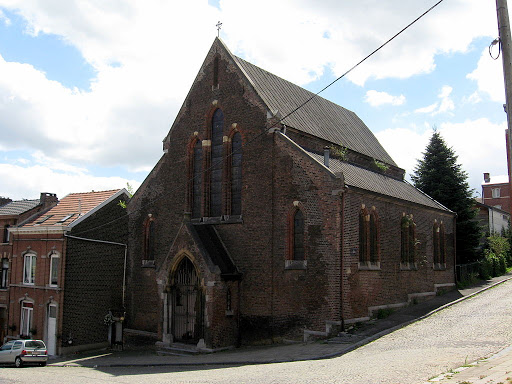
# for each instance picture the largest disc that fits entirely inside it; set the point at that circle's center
(163, 194)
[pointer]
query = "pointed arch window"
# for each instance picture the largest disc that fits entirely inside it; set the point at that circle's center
(435, 239)
(296, 241)
(364, 219)
(149, 242)
(298, 236)
(408, 242)
(236, 174)
(369, 248)
(442, 245)
(216, 72)
(217, 164)
(439, 246)
(197, 179)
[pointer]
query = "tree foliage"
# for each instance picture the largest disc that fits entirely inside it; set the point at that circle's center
(440, 177)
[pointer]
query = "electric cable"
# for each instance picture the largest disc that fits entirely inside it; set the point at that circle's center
(169, 192)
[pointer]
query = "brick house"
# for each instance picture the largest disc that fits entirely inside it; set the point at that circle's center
(13, 213)
(259, 224)
(496, 192)
(67, 272)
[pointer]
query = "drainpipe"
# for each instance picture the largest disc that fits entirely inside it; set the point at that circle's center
(342, 222)
(111, 243)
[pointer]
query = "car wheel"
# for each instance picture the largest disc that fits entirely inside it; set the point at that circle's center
(18, 363)
(42, 364)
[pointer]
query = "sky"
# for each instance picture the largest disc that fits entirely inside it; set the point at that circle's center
(89, 88)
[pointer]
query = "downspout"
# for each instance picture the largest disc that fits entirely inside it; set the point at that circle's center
(239, 333)
(272, 240)
(342, 222)
(455, 249)
(111, 243)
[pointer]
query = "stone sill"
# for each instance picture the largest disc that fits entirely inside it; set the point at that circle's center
(439, 267)
(408, 266)
(224, 219)
(148, 264)
(295, 264)
(369, 265)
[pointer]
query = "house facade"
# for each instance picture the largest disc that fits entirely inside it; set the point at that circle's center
(67, 269)
(496, 192)
(271, 217)
(492, 220)
(13, 213)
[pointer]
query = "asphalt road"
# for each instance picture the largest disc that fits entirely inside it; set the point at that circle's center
(472, 329)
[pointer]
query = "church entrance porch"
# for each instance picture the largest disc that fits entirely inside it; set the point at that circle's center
(186, 305)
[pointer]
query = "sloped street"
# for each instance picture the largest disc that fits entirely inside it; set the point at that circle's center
(467, 331)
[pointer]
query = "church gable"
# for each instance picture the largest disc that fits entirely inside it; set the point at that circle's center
(247, 219)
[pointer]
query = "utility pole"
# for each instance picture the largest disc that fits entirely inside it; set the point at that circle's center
(506, 52)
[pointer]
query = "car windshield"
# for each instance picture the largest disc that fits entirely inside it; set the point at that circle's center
(34, 344)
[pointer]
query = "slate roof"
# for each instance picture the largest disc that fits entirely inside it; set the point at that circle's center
(375, 182)
(320, 117)
(18, 207)
(71, 208)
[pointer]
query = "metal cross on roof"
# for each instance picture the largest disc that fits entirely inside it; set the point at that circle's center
(219, 26)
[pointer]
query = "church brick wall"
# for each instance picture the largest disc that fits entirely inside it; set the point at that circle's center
(275, 301)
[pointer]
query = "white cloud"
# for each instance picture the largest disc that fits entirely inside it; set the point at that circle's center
(445, 105)
(24, 180)
(479, 145)
(474, 98)
(428, 109)
(489, 77)
(376, 98)
(4, 18)
(146, 55)
(312, 34)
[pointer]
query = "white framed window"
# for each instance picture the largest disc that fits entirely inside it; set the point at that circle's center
(54, 269)
(5, 269)
(29, 268)
(496, 192)
(26, 317)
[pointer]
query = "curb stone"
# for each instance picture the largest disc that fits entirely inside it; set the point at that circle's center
(288, 360)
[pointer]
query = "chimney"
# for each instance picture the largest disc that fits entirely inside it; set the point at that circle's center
(327, 153)
(487, 177)
(48, 199)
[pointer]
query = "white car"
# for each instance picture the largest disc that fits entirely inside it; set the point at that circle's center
(20, 352)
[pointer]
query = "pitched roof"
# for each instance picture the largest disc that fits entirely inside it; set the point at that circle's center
(71, 208)
(375, 182)
(319, 117)
(215, 248)
(18, 207)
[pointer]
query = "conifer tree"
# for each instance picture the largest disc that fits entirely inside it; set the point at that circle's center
(440, 177)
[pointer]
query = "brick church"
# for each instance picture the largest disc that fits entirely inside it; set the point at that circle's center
(261, 222)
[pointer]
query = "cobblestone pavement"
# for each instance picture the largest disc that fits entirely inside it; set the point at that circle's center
(472, 329)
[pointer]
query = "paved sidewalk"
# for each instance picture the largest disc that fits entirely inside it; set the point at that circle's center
(496, 369)
(291, 352)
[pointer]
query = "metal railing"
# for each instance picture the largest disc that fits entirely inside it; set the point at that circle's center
(465, 272)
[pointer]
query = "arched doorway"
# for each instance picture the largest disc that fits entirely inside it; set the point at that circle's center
(186, 303)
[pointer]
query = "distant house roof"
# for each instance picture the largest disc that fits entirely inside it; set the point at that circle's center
(319, 117)
(71, 208)
(18, 207)
(375, 182)
(500, 179)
